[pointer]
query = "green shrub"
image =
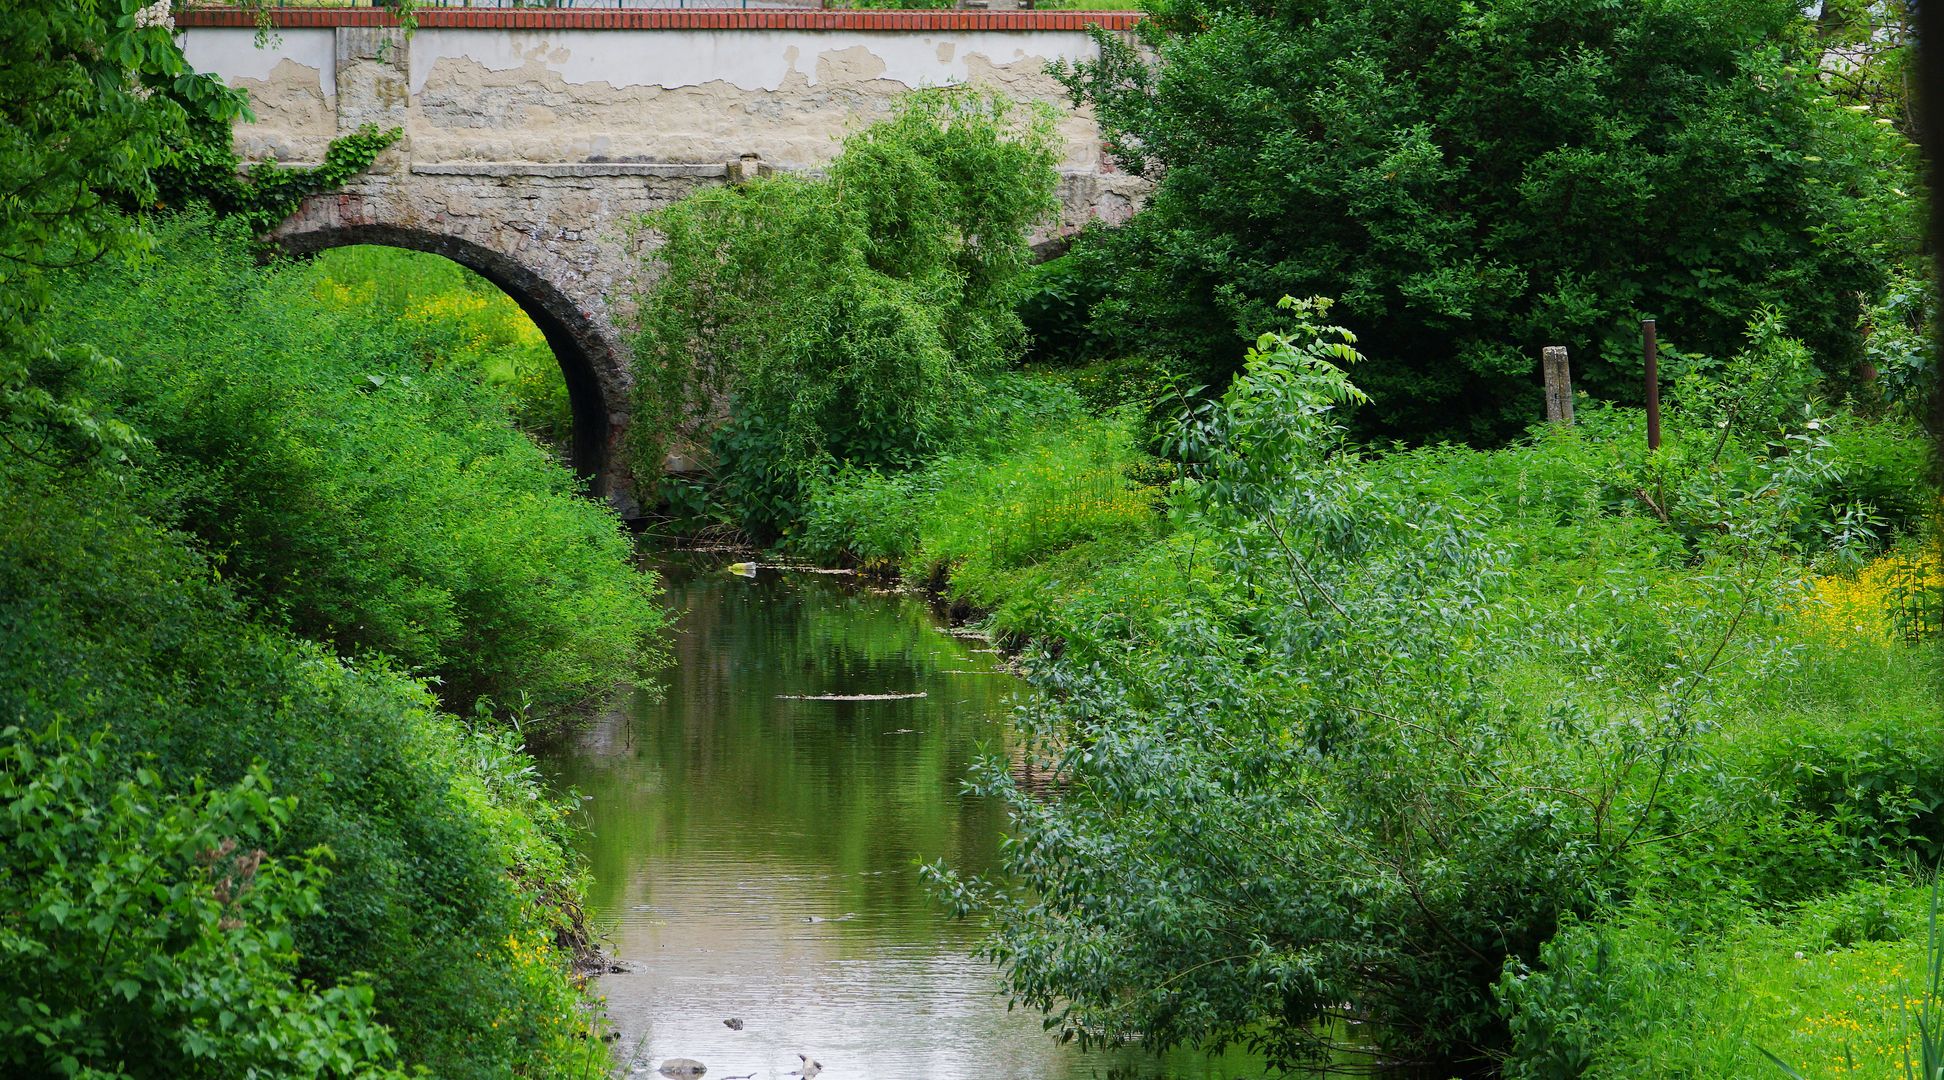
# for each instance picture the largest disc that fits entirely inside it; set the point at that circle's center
(446, 872)
(1579, 999)
(842, 320)
(1055, 302)
(1884, 466)
(1056, 488)
(1040, 482)
(1243, 842)
(1823, 988)
(357, 496)
(1902, 347)
(864, 516)
(1366, 727)
(149, 935)
(83, 127)
(1844, 739)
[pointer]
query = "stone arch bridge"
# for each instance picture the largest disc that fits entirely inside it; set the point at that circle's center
(533, 137)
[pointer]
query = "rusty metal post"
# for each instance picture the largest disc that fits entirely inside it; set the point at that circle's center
(1559, 385)
(1652, 349)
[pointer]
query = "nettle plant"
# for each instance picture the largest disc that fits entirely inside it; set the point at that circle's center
(1310, 803)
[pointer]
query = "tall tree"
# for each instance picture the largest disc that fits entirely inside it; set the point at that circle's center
(94, 94)
(1475, 180)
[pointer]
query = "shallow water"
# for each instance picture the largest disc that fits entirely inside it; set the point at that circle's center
(753, 853)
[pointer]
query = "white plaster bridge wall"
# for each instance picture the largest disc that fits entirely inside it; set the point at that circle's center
(533, 139)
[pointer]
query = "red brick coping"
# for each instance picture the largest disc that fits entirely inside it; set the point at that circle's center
(666, 19)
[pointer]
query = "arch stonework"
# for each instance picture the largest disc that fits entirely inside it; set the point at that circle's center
(534, 140)
(536, 239)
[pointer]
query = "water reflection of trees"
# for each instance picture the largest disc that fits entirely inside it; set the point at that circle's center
(854, 791)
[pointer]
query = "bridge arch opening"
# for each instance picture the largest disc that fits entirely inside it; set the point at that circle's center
(580, 348)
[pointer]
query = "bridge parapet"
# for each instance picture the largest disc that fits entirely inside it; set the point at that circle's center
(532, 138)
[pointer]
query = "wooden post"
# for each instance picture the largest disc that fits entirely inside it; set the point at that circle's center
(1559, 385)
(1652, 349)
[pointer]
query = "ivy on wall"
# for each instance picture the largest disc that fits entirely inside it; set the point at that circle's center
(205, 168)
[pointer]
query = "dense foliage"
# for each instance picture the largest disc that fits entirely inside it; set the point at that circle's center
(352, 492)
(152, 936)
(81, 128)
(303, 472)
(442, 855)
(1475, 181)
(1371, 728)
(226, 850)
(842, 319)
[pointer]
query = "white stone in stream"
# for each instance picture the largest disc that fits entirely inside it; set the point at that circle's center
(683, 1067)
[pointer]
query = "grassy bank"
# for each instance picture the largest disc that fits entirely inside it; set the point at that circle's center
(265, 807)
(354, 490)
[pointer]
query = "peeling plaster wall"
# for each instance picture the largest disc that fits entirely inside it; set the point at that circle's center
(292, 85)
(681, 96)
(790, 101)
(747, 59)
(232, 52)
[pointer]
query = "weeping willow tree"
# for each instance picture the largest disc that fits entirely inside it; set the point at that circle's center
(845, 318)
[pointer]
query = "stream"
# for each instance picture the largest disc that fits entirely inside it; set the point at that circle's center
(753, 848)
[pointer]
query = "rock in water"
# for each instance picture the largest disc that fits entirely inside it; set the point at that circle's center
(682, 1067)
(732, 1024)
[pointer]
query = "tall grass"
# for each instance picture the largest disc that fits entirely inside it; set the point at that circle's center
(1919, 1045)
(356, 494)
(976, 519)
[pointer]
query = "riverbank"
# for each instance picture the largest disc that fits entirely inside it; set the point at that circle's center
(267, 678)
(1820, 730)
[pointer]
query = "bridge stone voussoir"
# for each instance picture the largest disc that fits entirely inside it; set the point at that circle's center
(557, 274)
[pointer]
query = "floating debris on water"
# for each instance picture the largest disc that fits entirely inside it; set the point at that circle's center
(850, 697)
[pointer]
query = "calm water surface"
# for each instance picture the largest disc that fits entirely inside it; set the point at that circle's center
(753, 854)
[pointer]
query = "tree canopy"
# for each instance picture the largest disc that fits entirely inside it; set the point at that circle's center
(105, 98)
(1474, 181)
